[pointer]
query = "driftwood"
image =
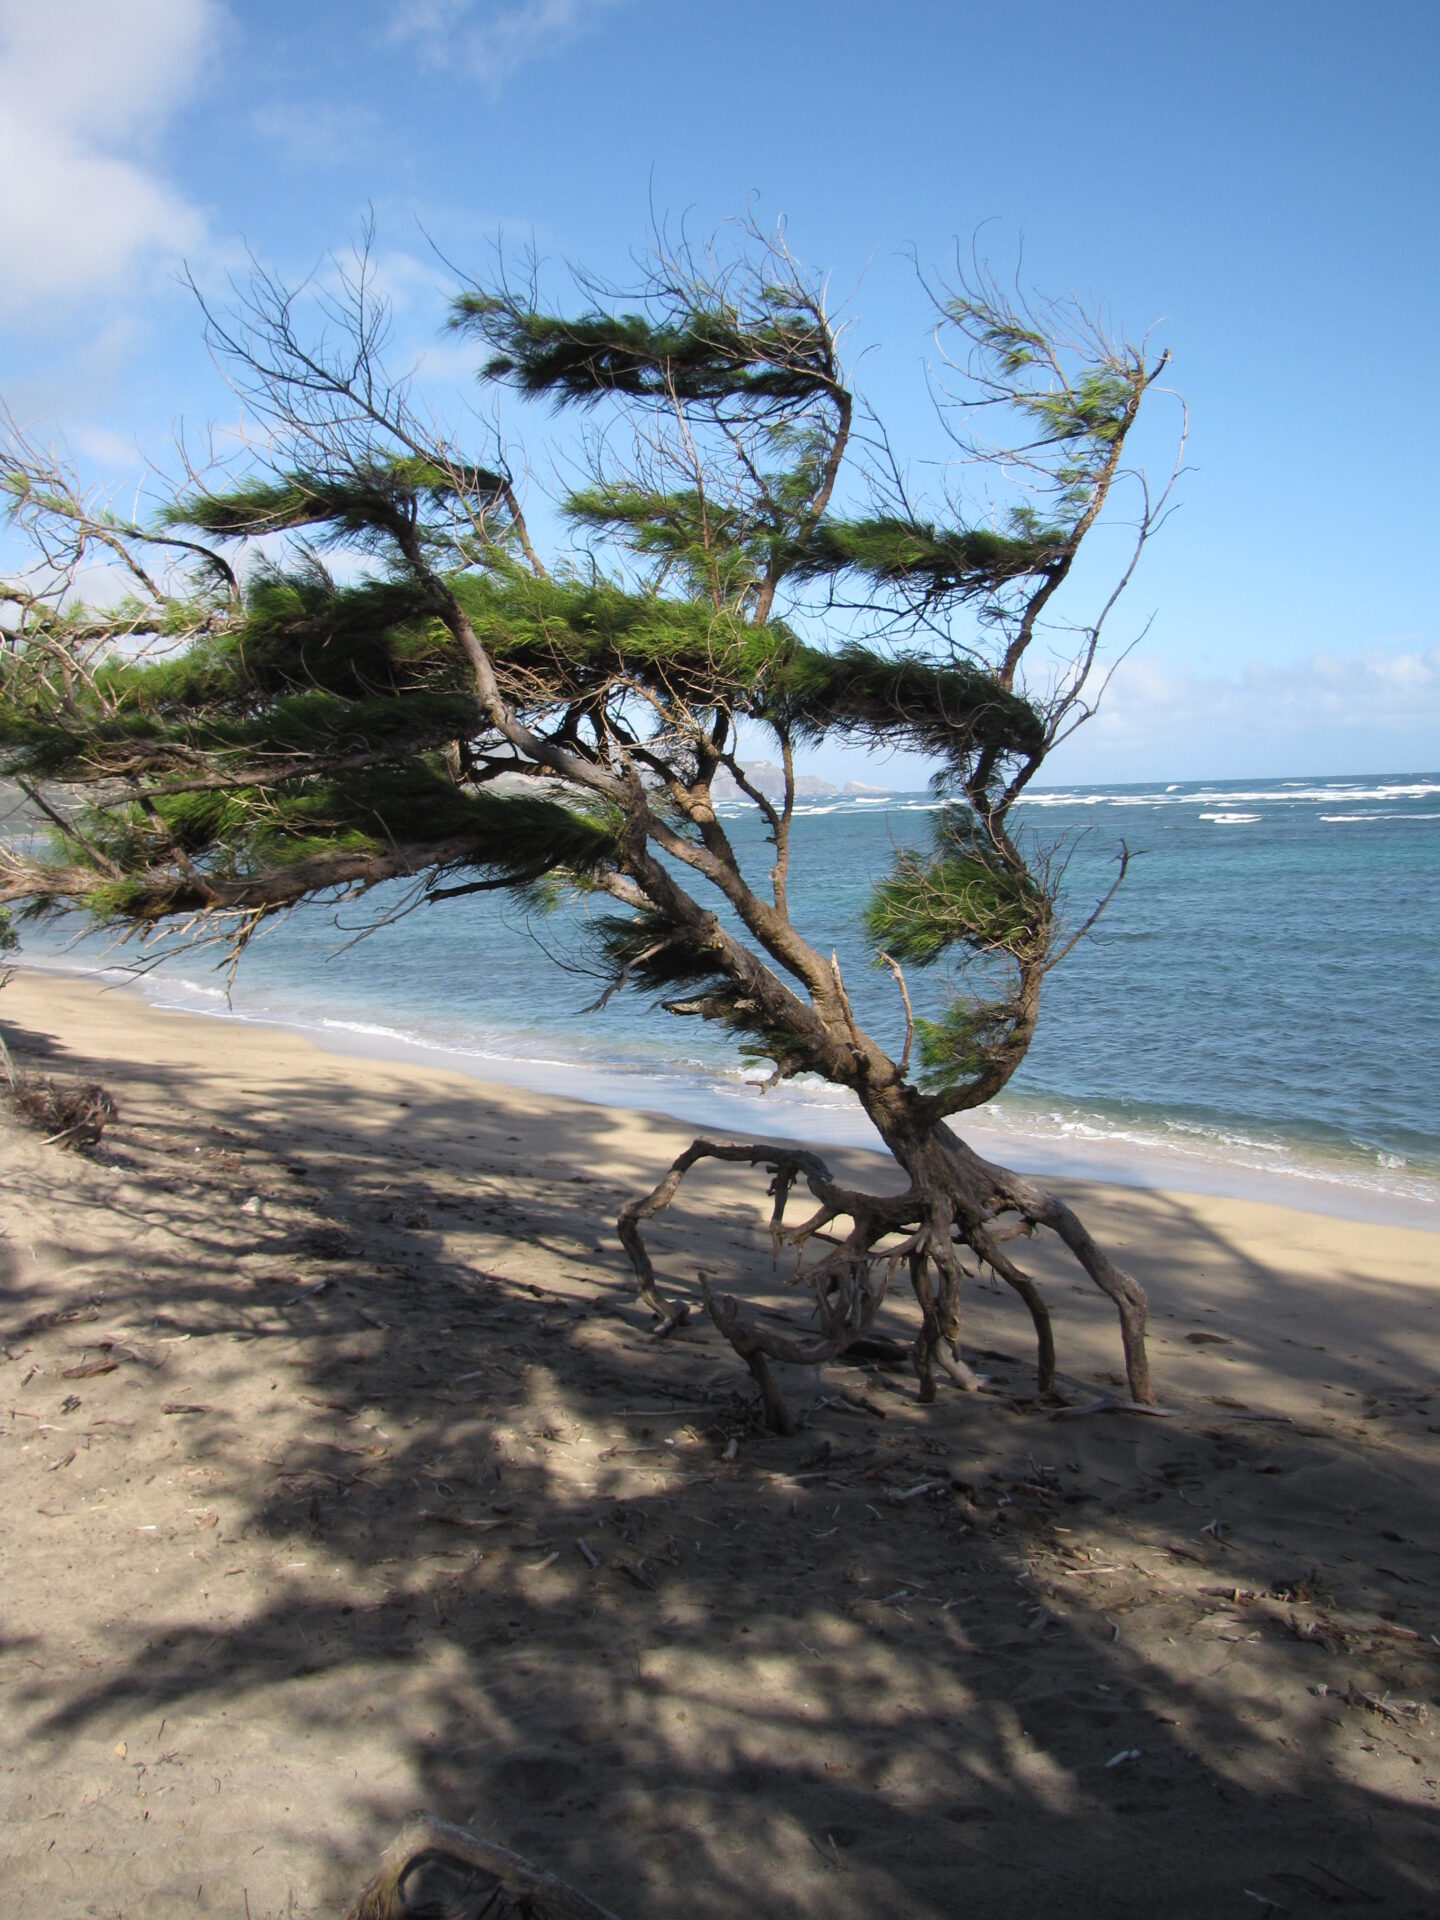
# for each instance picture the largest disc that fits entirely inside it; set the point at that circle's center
(434, 1871)
(67, 1115)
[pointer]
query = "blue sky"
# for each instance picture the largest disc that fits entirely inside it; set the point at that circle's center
(1256, 182)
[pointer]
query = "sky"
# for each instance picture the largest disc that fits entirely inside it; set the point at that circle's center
(1252, 184)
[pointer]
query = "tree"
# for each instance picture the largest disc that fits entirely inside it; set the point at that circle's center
(248, 731)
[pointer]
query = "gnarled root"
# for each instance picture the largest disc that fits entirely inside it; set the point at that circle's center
(749, 1344)
(433, 1868)
(846, 1284)
(1001, 1264)
(673, 1313)
(955, 1201)
(1034, 1206)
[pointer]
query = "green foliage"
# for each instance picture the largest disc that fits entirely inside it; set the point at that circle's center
(173, 851)
(1012, 345)
(710, 354)
(378, 498)
(968, 1043)
(964, 562)
(581, 635)
(966, 893)
(709, 545)
(886, 696)
(315, 668)
(123, 902)
(1095, 408)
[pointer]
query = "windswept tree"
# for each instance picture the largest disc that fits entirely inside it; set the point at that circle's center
(740, 559)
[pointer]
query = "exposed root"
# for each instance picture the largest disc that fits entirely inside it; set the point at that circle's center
(1044, 1209)
(1006, 1269)
(955, 1201)
(848, 1283)
(748, 1344)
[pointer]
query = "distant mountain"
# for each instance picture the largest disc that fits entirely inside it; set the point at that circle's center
(769, 777)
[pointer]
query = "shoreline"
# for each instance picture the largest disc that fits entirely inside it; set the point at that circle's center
(1118, 1160)
(298, 1097)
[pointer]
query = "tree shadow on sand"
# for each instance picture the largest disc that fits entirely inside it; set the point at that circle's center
(912, 1661)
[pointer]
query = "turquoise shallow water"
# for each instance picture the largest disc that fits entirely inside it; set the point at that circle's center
(1262, 999)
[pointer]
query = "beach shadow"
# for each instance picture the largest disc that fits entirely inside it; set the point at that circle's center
(903, 1664)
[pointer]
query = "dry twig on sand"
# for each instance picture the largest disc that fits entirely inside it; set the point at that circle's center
(69, 1116)
(434, 1868)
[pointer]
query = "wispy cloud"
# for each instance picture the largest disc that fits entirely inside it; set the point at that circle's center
(311, 133)
(85, 88)
(1329, 712)
(1330, 689)
(493, 41)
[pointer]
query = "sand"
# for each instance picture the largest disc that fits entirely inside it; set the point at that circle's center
(342, 1476)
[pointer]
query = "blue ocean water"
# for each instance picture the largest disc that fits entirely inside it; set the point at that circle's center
(1262, 997)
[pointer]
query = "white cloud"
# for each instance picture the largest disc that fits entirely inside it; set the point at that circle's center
(1364, 713)
(112, 452)
(492, 41)
(86, 88)
(316, 133)
(1329, 713)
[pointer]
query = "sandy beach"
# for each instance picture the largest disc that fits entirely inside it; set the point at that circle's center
(342, 1475)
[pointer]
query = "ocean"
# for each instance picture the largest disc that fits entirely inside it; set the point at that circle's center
(1257, 1012)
